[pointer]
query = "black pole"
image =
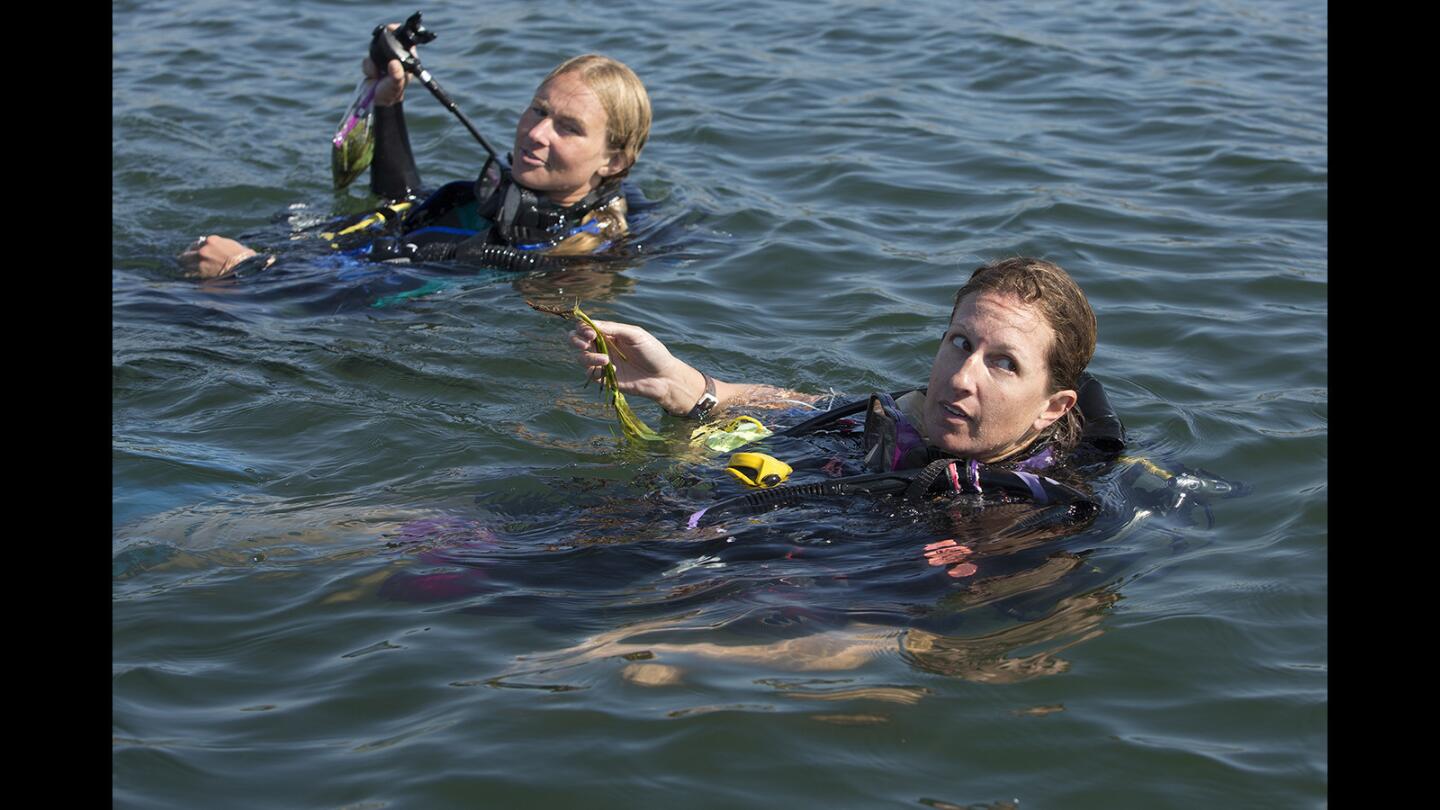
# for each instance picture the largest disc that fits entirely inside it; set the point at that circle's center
(434, 87)
(386, 45)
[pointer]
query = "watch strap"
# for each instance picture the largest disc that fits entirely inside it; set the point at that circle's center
(707, 400)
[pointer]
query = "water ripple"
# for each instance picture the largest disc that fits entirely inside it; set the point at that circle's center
(330, 461)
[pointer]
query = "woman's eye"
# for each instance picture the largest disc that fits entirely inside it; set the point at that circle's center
(1005, 363)
(961, 342)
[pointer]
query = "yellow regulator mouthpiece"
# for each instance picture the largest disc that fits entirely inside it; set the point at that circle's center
(758, 470)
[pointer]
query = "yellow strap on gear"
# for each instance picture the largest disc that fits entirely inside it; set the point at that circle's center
(1149, 466)
(377, 217)
(758, 470)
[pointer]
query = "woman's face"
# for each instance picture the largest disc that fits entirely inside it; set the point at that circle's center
(989, 385)
(560, 143)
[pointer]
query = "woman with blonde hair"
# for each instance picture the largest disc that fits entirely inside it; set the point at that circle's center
(559, 195)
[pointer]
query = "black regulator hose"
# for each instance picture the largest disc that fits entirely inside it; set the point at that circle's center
(792, 494)
(824, 420)
(472, 251)
(914, 483)
(477, 252)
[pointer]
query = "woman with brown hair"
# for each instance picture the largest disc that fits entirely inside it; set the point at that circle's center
(1004, 384)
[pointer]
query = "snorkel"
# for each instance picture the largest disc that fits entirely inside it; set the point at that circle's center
(386, 45)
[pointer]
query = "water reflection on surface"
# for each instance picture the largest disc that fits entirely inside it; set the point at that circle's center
(367, 523)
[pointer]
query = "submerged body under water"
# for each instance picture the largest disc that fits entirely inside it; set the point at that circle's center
(323, 276)
(957, 585)
(400, 548)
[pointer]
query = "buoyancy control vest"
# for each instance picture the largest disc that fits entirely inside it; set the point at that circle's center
(902, 464)
(492, 220)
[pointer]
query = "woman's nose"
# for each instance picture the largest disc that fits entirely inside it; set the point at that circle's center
(964, 377)
(540, 133)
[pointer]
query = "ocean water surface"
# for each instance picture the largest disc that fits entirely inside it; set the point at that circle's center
(374, 547)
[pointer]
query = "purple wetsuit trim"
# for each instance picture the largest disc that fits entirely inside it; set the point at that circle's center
(1034, 484)
(1040, 461)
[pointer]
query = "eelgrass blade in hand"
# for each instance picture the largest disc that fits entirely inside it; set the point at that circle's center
(629, 422)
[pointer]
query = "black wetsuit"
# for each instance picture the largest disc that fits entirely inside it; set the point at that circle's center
(900, 462)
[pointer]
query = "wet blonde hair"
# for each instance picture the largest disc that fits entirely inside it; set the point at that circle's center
(627, 128)
(613, 225)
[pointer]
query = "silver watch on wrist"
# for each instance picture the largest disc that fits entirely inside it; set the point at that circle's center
(707, 400)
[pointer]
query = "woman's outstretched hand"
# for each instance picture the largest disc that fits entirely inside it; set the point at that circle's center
(642, 365)
(213, 256)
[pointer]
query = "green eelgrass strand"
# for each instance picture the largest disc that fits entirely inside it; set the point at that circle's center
(629, 422)
(350, 159)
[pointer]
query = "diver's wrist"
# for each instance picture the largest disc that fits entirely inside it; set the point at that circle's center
(705, 402)
(250, 263)
(235, 261)
(691, 392)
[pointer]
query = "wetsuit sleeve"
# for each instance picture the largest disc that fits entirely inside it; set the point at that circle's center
(252, 265)
(393, 174)
(477, 252)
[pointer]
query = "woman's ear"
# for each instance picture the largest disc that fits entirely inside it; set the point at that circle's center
(1056, 406)
(616, 164)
